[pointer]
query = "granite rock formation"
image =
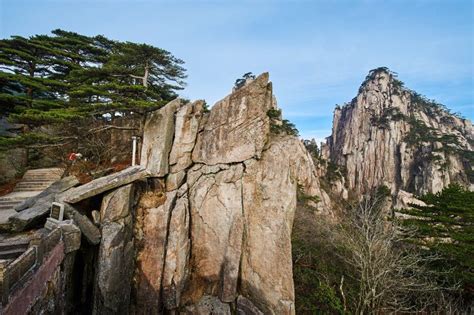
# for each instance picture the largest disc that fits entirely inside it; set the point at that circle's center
(389, 135)
(213, 225)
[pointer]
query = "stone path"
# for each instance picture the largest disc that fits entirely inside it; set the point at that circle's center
(32, 183)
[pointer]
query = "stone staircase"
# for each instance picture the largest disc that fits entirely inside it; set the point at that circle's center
(39, 179)
(32, 183)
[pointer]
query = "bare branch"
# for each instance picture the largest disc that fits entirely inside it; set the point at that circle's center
(104, 128)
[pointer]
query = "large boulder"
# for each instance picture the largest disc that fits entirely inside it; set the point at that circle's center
(238, 126)
(158, 135)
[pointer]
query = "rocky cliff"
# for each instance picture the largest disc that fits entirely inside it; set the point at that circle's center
(390, 135)
(213, 225)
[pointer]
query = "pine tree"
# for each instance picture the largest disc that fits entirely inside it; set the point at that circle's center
(26, 83)
(51, 80)
(446, 227)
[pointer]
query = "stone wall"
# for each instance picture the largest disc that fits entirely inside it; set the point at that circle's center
(37, 281)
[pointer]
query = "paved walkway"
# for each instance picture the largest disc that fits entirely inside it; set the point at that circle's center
(32, 183)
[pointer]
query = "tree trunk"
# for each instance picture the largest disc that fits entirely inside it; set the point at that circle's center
(146, 75)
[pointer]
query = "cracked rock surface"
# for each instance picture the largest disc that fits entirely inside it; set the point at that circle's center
(213, 225)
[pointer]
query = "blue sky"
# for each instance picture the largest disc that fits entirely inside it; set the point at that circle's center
(317, 52)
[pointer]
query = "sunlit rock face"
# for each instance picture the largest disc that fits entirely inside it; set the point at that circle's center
(389, 135)
(213, 230)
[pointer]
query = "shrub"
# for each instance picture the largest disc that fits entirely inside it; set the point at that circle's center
(278, 126)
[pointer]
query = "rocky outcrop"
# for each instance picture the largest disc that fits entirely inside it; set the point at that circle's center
(237, 127)
(159, 128)
(389, 135)
(116, 253)
(213, 225)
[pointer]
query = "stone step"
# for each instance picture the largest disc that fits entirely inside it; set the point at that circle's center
(22, 189)
(33, 184)
(36, 180)
(13, 249)
(2, 208)
(52, 169)
(45, 182)
(40, 178)
(42, 173)
(29, 188)
(55, 174)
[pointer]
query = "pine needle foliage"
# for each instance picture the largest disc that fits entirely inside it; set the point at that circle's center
(46, 80)
(446, 227)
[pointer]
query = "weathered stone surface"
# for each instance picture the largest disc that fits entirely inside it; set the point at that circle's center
(95, 217)
(116, 204)
(71, 237)
(187, 126)
(404, 199)
(269, 202)
(221, 228)
(29, 217)
(176, 269)
(103, 184)
(157, 139)
(116, 250)
(175, 180)
(369, 139)
(152, 229)
(5, 220)
(246, 307)
(238, 126)
(209, 305)
(90, 231)
(216, 225)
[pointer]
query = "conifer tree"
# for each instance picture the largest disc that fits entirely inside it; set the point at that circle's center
(446, 227)
(49, 80)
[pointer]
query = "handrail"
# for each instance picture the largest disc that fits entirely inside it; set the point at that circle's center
(15, 273)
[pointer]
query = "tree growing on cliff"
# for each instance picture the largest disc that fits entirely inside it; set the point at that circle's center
(242, 81)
